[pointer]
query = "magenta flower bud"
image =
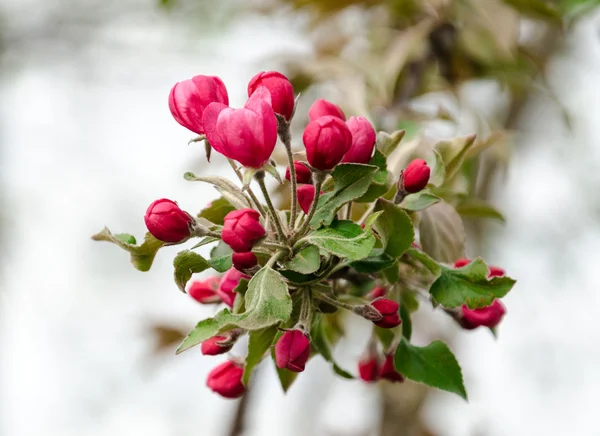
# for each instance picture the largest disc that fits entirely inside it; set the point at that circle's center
(363, 140)
(242, 261)
(378, 292)
(489, 316)
(211, 346)
(292, 350)
(167, 222)
(415, 176)
(322, 108)
(461, 262)
(388, 370)
(368, 368)
(205, 291)
(226, 380)
(242, 229)
(228, 283)
(389, 310)
(303, 174)
(281, 89)
(189, 99)
(306, 195)
(327, 139)
(247, 135)
(495, 272)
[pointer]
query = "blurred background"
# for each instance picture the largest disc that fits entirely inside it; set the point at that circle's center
(87, 140)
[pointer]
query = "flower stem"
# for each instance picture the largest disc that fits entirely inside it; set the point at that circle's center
(318, 181)
(333, 301)
(259, 206)
(305, 317)
(285, 135)
(260, 178)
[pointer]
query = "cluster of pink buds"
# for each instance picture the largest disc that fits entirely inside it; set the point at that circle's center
(289, 275)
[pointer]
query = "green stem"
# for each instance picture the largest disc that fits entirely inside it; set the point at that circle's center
(333, 301)
(318, 180)
(274, 259)
(260, 178)
(349, 211)
(305, 317)
(286, 138)
(254, 198)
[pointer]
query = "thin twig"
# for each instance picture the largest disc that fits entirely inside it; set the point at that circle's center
(286, 138)
(254, 198)
(260, 178)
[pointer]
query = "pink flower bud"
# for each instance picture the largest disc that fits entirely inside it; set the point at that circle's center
(292, 350)
(378, 292)
(495, 272)
(306, 195)
(228, 283)
(282, 91)
(242, 261)
(226, 380)
(189, 99)
(247, 135)
(363, 140)
(415, 176)
(321, 108)
(205, 292)
(368, 368)
(389, 310)
(461, 262)
(327, 140)
(211, 346)
(167, 222)
(489, 316)
(303, 174)
(388, 370)
(242, 229)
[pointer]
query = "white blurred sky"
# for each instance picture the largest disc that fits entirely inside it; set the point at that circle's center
(87, 140)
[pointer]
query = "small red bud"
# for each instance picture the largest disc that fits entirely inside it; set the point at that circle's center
(242, 261)
(489, 316)
(226, 380)
(205, 291)
(461, 262)
(363, 140)
(388, 370)
(228, 283)
(242, 229)
(292, 350)
(496, 272)
(306, 195)
(327, 139)
(281, 89)
(378, 292)
(389, 310)
(322, 108)
(415, 176)
(211, 346)
(368, 369)
(303, 174)
(167, 222)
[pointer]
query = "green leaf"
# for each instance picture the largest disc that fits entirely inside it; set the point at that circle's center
(391, 274)
(204, 241)
(267, 303)
(350, 182)
(259, 343)
(419, 201)
(371, 219)
(320, 342)
(453, 153)
(142, 256)
(469, 285)
(126, 237)
(373, 263)
(427, 261)
(286, 377)
(187, 263)
(344, 239)
(433, 365)
(386, 336)
(220, 257)
(394, 227)
(406, 322)
(306, 261)
(475, 208)
(216, 211)
(387, 143)
(442, 233)
(228, 190)
(381, 183)
(438, 170)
